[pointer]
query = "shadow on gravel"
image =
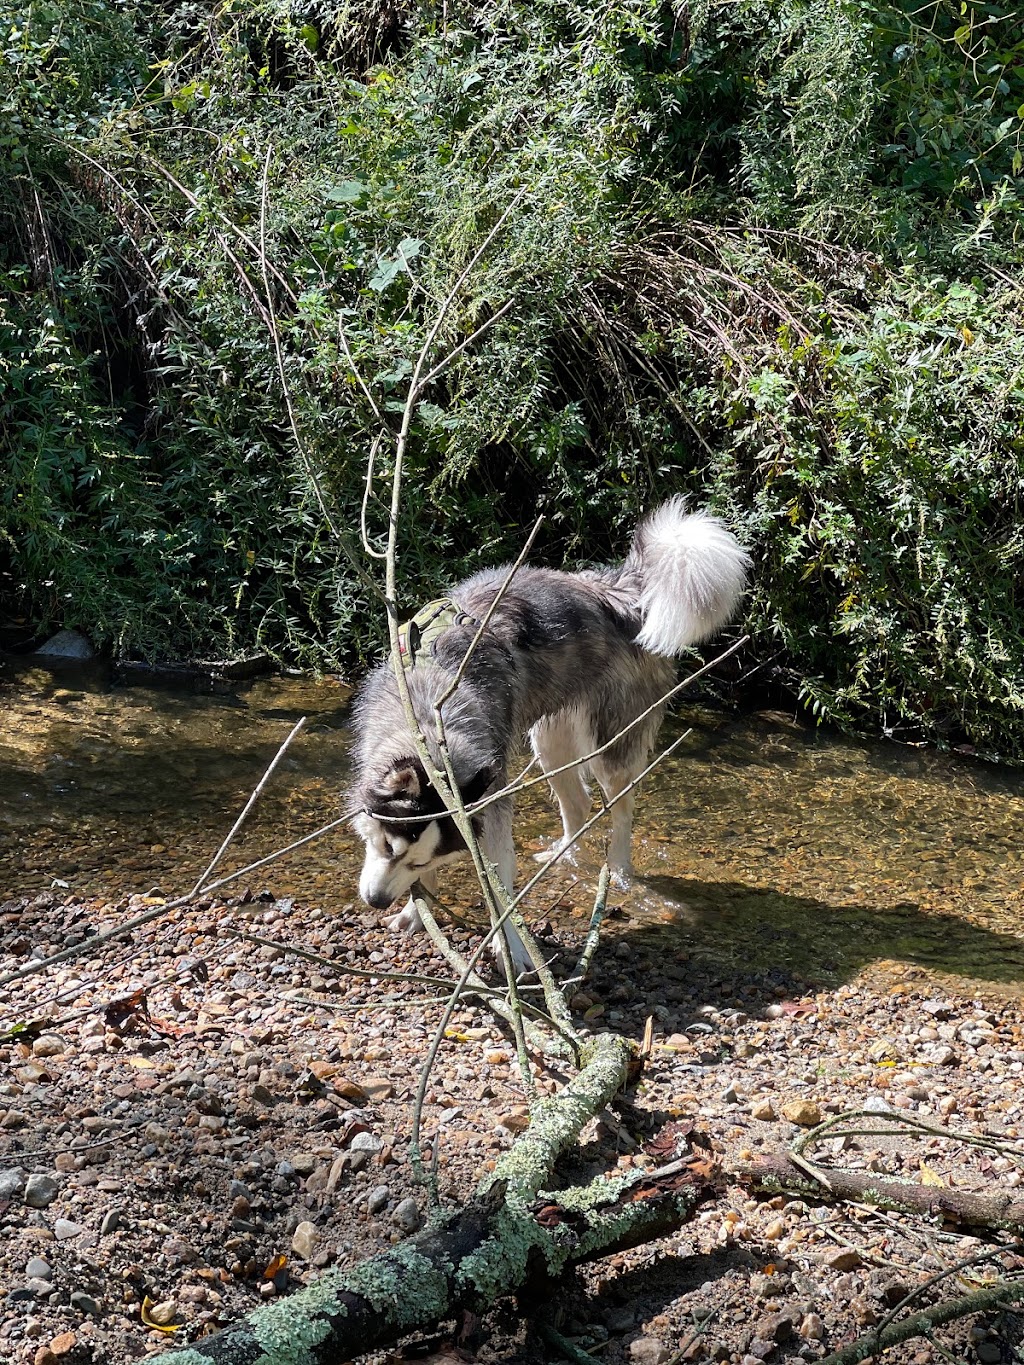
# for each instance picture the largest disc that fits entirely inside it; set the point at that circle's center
(742, 929)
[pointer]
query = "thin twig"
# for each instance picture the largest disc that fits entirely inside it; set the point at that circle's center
(921, 1324)
(579, 972)
(506, 583)
(340, 537)
(367, 490)
(129, 926)
(254, 797)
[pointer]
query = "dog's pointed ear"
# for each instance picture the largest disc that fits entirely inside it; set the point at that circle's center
(477, 785)
(403, 781)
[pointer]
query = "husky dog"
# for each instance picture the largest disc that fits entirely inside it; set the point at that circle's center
(570, 659)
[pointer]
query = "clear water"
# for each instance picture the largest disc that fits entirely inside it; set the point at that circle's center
(758, 842)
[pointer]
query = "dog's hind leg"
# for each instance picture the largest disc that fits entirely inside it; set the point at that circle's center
(556, 740)
(498, 848)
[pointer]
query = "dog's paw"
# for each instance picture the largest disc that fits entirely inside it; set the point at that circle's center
(559, 847)
(407, 921)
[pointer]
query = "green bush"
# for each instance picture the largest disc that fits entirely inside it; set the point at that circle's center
(765, 252)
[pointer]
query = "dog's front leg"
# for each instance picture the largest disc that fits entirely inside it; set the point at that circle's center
(408, 921)
(499, 849)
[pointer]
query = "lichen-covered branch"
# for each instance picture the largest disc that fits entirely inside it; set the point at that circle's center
(487, 1250)
(923, 1323)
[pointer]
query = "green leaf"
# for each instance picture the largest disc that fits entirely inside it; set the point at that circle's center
(348, 192)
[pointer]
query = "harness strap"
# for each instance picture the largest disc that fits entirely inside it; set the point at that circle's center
(420, 634)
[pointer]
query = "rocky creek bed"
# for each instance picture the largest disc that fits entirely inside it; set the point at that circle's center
(195, 1123)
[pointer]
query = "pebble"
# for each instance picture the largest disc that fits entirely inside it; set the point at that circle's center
(64, 1230)
(763, 1110)
(12, 1182)
(41, 1190)
(877, 1104)
(939, 1054)
(407, 1216)
(377, 1198)
(49, 1045)
(805, 1113)
(648, 1351)
(85, 1303)
(163, 1313)
(305, 1240)
(111, 1222)
(38, 1269)
(846, 1258)
(365, 1142)
(811, 1327)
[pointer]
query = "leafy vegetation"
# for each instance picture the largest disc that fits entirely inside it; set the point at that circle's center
(766, 252)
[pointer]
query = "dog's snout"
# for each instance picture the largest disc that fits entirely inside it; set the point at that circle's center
(378, 900)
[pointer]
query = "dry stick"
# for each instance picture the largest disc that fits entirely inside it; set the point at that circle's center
(444, 784)
(466, 979)
(488, 883)
(907, 1127)
(433, 929)
(921, 1324)
(342, 968)
(579, 972)
(228, 223)
(367, 490)
(248, 806)
(358, 377)
(494, 998)
(775, 1171)
(495, 894)
(87, 945)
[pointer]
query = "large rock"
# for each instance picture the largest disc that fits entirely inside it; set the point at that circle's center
(66, 644)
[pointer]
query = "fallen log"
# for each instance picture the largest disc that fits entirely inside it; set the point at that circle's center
(511, 1232)
(776, 1172)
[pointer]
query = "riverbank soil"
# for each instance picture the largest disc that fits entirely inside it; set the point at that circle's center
(192, 1123)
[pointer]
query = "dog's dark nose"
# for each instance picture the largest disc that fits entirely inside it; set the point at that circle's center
(379, 902)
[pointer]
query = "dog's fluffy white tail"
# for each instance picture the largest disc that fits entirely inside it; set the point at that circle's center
(691, 572)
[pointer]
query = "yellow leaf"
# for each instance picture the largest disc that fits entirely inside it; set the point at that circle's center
(967, 335)
(275, 1267)
(457, 1035)
(141, 1063)
(930, 1177)
(158, 1315)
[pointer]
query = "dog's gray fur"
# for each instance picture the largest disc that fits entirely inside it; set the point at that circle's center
(570, 659)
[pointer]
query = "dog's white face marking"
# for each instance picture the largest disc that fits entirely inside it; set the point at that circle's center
(394, 862)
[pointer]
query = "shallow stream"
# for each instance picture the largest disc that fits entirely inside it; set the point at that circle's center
(759, 842)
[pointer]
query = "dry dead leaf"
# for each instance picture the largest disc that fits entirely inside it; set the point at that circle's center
(159, 1316)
